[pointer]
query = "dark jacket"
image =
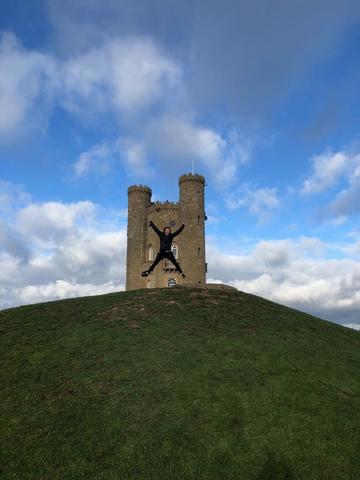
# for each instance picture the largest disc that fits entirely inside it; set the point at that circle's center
(166, 240)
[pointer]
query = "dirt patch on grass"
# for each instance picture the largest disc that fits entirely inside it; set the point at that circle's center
(213, 301)
(121, 312)
(346, 393)
(249, 330)
(133, 324)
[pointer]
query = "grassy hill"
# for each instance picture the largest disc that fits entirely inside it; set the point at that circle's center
(177, 383)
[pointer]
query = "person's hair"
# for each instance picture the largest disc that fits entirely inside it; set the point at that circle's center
(166, 228)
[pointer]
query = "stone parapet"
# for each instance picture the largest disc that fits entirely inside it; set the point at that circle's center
(159, 206)
(139, 189)
(192, 177)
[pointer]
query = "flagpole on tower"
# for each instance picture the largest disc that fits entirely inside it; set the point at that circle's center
(192, 166)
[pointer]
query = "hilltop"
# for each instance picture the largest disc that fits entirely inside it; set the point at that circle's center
(180, 383)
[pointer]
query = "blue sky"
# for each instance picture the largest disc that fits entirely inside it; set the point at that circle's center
(264, 96)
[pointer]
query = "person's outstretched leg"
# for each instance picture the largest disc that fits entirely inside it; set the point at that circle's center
(158, 259)
(172, 258)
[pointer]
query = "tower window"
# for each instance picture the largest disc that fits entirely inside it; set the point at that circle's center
(151, 253)
(175, 250)
(198, 219)
(199, 252)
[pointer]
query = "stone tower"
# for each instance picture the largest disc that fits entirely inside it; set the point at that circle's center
(188, 246)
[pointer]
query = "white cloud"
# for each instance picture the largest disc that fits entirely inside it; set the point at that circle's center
(130, 77)
(173, 141)
(312, 246)
(181, 140)
(12, 197)
(56, 250)
(134, 154)
(142, 73)
(28, 82)
(230, 61)
(273, 253)
(97, 160)
(353, 248)
(259, 201)
(12, 243)
(63, 289)
(327, 170)
(102, 159)
(289, 272)
(52, 220)
(354, 326)
(214, 214)
(347, 202)
(125, 76)
(87, 256)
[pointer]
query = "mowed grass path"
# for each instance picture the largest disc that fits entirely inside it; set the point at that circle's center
(177, 384)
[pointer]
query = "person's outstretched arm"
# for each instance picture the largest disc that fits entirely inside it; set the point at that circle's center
(179, 230)
(155, 227)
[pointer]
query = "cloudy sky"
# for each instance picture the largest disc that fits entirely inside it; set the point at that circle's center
(263, 95)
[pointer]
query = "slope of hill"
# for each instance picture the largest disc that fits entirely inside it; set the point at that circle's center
(179, 383)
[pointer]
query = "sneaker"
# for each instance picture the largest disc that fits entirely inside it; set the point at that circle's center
(145, 274)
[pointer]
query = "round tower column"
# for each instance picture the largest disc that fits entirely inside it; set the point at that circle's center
(192, 213)
(139, 198)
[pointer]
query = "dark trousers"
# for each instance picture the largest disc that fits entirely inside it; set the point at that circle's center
(165, 254)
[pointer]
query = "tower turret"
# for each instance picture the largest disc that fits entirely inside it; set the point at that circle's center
(191, 212)
(139, 199)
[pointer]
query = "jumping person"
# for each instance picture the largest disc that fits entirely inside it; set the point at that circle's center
(166, 238)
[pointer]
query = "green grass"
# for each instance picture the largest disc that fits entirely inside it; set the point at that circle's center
(177, 384)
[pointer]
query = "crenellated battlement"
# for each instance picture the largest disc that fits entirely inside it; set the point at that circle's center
(192, 177)
(139, 189)
(159, 206)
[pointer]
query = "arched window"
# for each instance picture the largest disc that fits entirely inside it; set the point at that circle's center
(199, 252)
(199, 223)
(175, 250)
(171, 282)
(151, 253)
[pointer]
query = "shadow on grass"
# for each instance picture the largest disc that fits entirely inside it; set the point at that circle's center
(276, 468)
